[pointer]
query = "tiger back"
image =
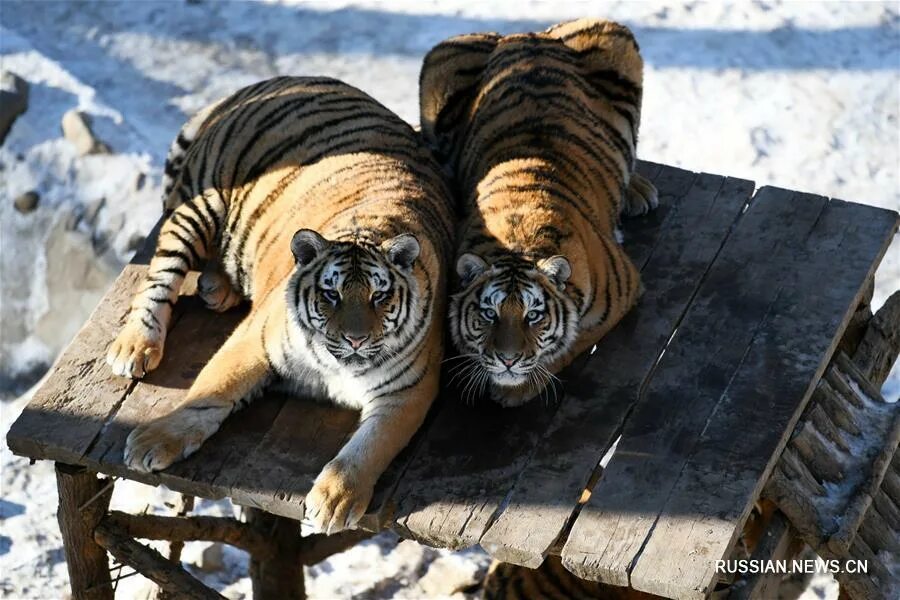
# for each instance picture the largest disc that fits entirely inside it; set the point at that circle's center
(540, 131)
(323, 209)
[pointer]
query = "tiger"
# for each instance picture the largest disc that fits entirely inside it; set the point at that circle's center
(328, 213)
(539, 132)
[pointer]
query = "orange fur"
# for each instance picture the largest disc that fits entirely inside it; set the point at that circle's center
(540, 131)
(324, 210)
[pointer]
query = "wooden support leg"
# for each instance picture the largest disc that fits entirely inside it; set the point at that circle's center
(182, 508)
(152, 565)
(278, 576)
(83, 500)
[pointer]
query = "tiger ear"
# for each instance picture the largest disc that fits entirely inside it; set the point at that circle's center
(448, 84)
(557, 269)
(306, 245)
(469, 267)
(402, 250)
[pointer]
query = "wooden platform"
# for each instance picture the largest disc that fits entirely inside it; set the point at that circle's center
(747, 295)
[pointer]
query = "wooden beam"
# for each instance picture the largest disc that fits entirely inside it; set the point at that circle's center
(193, 528)
(317, 547)
(277, 575)
(778, 542)
(877, 351)
(184, 505)
(152, 565)
(83, 499)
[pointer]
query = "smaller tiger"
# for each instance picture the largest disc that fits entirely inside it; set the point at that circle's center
(540, 131)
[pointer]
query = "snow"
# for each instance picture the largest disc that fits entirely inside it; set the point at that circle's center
(800, 95)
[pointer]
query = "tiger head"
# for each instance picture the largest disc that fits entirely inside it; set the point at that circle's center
(355, 300)
(512, 318)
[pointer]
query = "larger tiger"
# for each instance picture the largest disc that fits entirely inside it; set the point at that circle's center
(326, 211)
(539, 131)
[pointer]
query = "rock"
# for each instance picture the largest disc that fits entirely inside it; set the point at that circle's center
(74, 281)
(135, 242)
(73, 217)
(212, 558)
(27, 202)
(76, 128)
(13, 100)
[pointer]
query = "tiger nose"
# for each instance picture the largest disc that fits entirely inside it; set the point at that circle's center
(355, 341)
(508, 359)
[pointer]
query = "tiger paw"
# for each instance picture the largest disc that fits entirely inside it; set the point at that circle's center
(216, 291)
(155, 446)
(136, 351)
(641, 196)
(338, 498)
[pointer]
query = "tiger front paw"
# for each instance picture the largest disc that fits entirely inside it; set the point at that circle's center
(136, 351)
(156, 445)
(338, 498)
(641, 196)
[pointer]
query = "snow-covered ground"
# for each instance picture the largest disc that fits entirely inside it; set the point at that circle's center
(801, 95)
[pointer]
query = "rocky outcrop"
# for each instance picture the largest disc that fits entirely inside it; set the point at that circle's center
(13, 100)
(76, 128)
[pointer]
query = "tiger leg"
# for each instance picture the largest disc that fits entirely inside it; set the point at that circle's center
(184, 242)
(641, 196)
(234, 373)
(342, 491)
(215, 288)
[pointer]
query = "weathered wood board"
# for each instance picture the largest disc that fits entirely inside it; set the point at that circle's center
(737, 321)
(763, 400)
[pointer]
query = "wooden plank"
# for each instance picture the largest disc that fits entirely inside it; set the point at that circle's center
(280, 469)
(470, 457)
(764, 400)
(687, 384)
(80, 394)
(598, 401)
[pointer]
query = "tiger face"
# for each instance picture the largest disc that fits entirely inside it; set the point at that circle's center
(354, 300)
(512, 319)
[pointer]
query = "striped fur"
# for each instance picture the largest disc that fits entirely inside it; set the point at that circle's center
(540, 132)
(324, 210)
